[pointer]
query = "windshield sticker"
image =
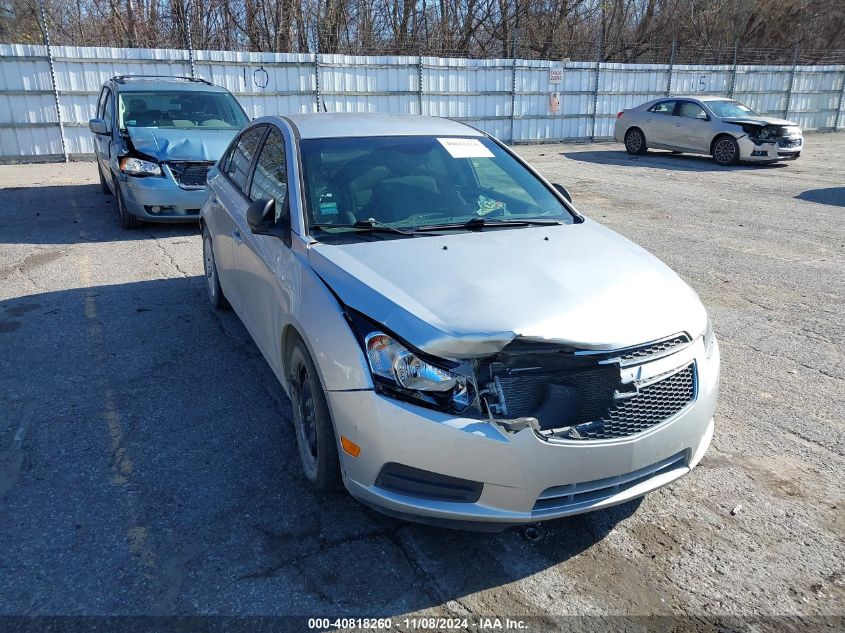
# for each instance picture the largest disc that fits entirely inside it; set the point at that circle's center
(465, 148)
(488, 205)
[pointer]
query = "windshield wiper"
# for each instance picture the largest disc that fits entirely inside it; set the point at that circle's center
(373, 226)
(476, 224)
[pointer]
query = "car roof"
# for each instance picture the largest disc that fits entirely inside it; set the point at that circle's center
(337, 124)
(153, 84)
(699, 97)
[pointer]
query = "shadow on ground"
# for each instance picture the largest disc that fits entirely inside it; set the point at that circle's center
(660, 160)
(157, 472)
(833, 196)
(69, 214)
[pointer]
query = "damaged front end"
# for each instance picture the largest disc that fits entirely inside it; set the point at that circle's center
(556, 390)
(771, 141)
(585, 395)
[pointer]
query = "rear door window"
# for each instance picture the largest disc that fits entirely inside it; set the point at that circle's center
(238, 163)
(664, 107)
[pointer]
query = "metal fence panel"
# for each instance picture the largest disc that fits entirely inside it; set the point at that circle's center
(515, 100)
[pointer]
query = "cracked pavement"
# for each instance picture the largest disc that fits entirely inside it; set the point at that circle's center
(148, 464)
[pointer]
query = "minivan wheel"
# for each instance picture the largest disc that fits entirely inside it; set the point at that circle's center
(312, 421)
(726, 151)
(104, 186)
(127, 220)
(635, 141)
(216, 297)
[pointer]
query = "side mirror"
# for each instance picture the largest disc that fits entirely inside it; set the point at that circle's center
(259, 215)
(563, 191)
(98, 126)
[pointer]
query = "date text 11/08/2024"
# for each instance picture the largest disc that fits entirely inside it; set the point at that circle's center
(419, 624)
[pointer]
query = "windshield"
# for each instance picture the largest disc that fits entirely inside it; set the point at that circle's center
(411, 182)
(727, 109)
(180, 110)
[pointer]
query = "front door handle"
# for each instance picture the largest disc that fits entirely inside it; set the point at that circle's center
(236, 235)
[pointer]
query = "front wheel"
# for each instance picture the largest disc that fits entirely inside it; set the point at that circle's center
(312, 421)
(635, 141)
(726, 151)
(215, 293)
(127, 220)
(104, 186)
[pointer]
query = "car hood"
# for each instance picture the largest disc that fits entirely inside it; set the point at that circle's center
(469, 294)
(181, 144)
(760, 120)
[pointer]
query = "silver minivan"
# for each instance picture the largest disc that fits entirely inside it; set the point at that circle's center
(460, 345)
(155, 138)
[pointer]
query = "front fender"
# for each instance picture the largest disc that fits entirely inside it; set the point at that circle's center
(319, 320)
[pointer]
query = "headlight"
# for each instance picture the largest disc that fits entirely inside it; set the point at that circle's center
(138, 167)
(407, 375)
(709, 338)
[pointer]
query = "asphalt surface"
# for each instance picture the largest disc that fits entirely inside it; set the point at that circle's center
(148, 462)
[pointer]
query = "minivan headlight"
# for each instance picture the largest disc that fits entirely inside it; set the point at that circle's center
(409, 376)
(139, 167)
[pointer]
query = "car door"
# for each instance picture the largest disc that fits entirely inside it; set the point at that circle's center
(227, 202)
(695, 129)
(265, 262)
(659, 124)
(103, 142)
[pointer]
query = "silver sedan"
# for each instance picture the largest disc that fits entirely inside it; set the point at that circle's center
(725, 129)
(460, 345)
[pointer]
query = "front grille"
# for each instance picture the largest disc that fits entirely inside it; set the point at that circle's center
(582, 495)
(654, 403)
(420, 483)
(190, 174)
(789, 142)
(643, 353)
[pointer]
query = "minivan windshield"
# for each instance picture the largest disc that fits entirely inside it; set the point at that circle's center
(180, 109)
(414, 182)
(726, 109)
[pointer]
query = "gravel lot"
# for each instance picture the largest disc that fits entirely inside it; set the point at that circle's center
(148, 465)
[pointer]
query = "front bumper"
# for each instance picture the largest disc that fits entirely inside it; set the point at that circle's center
(517, 469)
(767, 152)
(160, 199)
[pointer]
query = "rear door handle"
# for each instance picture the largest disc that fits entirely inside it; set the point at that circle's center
(236, 235)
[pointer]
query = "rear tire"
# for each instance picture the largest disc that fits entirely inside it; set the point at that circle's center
(315, 436)
(216, 297)
(725, 151)
(635, 142)
(127, 220)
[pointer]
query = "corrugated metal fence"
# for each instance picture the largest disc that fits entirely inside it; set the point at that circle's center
(515, 100)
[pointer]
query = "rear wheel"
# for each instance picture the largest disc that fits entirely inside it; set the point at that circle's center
(216, 297)
(726, 151)
(635, 141)
(312, 421)
(127, 220)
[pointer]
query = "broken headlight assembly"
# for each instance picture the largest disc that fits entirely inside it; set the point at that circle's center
(759, 135)
(400, 372)
(406, 374)
(132, 166)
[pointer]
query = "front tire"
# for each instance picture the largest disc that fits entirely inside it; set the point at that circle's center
(726, 151)
(104, 185)
(216, 297)
(312, 421)
(127, 220)
(635, 141)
